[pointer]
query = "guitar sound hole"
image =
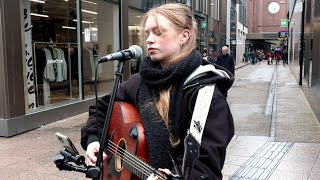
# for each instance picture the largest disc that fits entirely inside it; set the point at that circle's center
(120, 155)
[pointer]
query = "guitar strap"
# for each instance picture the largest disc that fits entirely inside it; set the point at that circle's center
(200, 112)
(204, 98)
(192, 142)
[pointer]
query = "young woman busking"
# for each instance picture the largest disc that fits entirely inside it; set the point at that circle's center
(168, 33)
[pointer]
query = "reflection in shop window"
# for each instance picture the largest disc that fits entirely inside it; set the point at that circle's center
(100, 37)
(134, 29)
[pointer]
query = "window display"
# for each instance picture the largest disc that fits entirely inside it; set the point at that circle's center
(60, 68)
(51, 45)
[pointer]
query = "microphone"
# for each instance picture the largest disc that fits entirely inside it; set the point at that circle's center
(133, 51)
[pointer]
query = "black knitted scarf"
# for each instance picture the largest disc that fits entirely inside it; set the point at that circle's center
(154, 79)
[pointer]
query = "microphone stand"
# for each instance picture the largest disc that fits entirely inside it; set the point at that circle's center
(64, 157)
(61, 160)
(97, 170)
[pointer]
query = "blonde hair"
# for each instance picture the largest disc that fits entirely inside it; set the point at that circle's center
(163, 105)
(181, 17)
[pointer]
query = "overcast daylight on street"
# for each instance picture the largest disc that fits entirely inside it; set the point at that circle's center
(57, 56)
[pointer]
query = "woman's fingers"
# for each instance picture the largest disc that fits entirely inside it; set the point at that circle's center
(166, 171)
(92, 153)
(91, 158)
(105, 156)
(152, 177)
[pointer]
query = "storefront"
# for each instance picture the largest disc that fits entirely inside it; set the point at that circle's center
(55, 77)
(303, 48)
(48, 59)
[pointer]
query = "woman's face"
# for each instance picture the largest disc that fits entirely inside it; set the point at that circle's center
(163, 41)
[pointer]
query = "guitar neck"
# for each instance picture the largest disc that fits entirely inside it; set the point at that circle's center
(135, 165)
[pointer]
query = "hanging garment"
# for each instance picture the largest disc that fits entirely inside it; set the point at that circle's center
(49, 74)
(60, 65)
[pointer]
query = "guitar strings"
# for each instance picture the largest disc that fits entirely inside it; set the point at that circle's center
(130, 159)
(123, 152)
(145, 172)
(146, 167)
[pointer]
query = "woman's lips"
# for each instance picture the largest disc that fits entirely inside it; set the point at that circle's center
(151, 49)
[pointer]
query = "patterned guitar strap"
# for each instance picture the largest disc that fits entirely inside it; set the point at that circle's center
(192, 142)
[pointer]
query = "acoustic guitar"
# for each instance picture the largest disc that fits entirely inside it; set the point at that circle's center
(127, 146)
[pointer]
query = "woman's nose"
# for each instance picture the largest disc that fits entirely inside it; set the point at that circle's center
(150, 39)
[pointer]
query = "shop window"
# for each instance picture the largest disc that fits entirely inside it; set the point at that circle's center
(100, 35)
(134, 29)
(51, 43)
(56, 74)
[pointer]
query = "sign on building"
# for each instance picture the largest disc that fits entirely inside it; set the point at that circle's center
(284, 23)
(203, 25)
(283, 34)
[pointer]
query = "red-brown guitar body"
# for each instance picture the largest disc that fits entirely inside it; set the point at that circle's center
(125, 131)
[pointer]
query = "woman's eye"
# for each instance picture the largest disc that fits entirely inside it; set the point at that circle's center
(157, 32)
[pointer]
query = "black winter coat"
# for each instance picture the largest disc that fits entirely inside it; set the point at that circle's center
(217, 134)
(226, 61)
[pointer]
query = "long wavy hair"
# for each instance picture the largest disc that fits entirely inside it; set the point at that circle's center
(181, 17)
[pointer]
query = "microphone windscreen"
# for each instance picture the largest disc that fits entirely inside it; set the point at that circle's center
(136, 50)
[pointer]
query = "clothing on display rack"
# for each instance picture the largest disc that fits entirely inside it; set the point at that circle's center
(57, 67)
(51, 68)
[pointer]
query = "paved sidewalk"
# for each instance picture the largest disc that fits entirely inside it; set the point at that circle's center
(30, 155)
(294, 151)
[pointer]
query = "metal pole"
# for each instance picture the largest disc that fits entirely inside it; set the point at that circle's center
(302, 44)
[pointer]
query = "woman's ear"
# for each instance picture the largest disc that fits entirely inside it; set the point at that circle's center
(185, 35)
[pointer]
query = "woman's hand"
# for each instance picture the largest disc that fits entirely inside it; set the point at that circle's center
(164, 171)
(92, 153)
(152, 177)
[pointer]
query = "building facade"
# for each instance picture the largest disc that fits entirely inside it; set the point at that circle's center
(264, 24)
(236, 28)
(48, 50)
(304, 49)
(241, 30)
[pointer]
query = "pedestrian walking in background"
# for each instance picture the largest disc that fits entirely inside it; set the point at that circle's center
(215, 56)
(245, 57)
(206, 57)
(278, 57)
(251, 56)
(168, 33)
(269, 58)
(226, 60)
(284, 57)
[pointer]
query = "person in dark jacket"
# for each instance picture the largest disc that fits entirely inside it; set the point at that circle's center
(284, 57)
(226, 60)
(165, 105)
(206, 56)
